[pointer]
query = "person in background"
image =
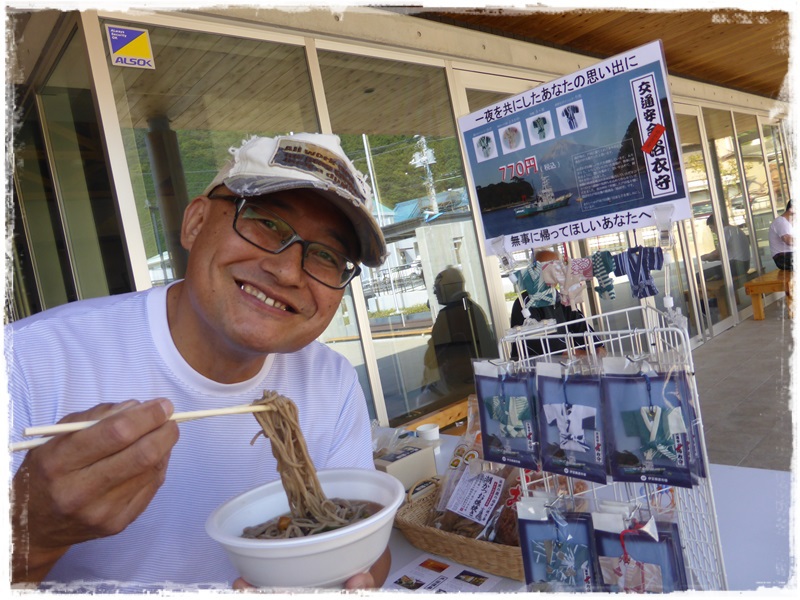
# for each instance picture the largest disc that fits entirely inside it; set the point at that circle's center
(121, 505)
(460, 334)
(737, 244)
(781, 239)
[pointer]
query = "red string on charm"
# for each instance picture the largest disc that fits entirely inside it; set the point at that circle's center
(636, 526)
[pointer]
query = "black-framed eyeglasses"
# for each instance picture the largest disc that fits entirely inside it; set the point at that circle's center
(267, 231)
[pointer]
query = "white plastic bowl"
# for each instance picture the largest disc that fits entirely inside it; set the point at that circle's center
(321, 560)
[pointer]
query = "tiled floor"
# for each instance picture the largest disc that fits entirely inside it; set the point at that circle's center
(744, 385)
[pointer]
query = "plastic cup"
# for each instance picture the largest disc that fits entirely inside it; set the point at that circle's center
(428, 431)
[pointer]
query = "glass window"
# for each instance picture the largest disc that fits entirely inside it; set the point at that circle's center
(428, 302)
(757, 191)
(87, 203)
(702, 209)
(477, 99)
(25, 300)
(342, 335)
(773, 149)
(207, 94)
(39, 243)
(731, 226)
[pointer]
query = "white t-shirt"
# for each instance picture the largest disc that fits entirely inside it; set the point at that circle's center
(780, 227)
(737, 243)
(116, 348)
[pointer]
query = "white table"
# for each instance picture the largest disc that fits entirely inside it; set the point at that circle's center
(753, 517)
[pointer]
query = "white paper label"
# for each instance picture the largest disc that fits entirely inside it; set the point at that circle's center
(476, 495)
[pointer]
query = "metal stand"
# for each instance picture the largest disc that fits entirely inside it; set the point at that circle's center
(637, 333)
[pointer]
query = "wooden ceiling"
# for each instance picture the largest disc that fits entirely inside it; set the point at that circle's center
(743, 50)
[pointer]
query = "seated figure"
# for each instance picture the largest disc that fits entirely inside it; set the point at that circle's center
(557, 311)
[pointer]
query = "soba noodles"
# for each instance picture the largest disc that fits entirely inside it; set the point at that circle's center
(310, 510)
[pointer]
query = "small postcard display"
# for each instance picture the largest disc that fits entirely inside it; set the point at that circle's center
(571, 422)
(651, 424)
(608, 546)
(618, 420)
(507, 415)
(643, 557)
(558, 548)
(577, 418)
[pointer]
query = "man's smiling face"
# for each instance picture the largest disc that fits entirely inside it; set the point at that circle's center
(246, 301)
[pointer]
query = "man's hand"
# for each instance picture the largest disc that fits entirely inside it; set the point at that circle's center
(372, 579)
(713, 255)
(88, 484)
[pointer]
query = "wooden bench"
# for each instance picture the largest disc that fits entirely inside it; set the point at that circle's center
(450, 414)
(774, 281)
(717, 290)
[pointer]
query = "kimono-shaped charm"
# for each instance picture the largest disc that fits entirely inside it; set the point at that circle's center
(511, 412)
(657, 429)
(602, 269)
(631, 576)
(508, 425)
(570, 423)
(540, 294)
(566, 563)
(571, 284)
(637, 263)
(648, 436)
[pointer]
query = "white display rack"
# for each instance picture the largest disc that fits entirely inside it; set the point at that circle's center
(637, 333)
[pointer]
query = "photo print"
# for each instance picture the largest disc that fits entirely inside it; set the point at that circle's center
(485, 146)
(571, 117)
(540, 128)
(511, 138)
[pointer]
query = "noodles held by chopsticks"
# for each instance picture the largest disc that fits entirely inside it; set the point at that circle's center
(311, 511)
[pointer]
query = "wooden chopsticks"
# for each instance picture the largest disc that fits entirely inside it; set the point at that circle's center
(50, 430)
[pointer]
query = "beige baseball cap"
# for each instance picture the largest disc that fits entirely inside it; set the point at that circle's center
(306, 160)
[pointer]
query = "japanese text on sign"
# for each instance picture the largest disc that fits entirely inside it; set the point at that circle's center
(578, 229)
(590, 153)
(649, 117)
(565, 85)
(476, 496)
(520, 168)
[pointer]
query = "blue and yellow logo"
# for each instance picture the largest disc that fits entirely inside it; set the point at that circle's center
(130, 47)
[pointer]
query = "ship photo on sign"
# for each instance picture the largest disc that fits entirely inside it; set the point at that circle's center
(587, 154)
(130, 47)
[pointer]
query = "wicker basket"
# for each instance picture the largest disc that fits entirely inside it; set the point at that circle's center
(497, 559)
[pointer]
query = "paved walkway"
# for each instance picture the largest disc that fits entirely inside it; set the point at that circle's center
(744, 384)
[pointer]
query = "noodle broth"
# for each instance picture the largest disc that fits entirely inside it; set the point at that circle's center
(289, 526)
(325, 560)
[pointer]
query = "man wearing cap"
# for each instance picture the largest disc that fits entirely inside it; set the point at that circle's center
(460, 334)
(121, 505)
